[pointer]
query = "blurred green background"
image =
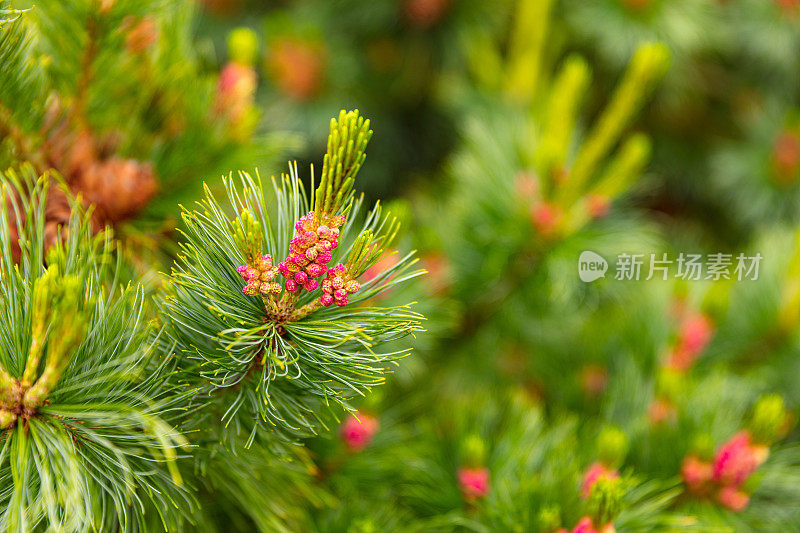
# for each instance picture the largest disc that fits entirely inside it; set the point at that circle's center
(510, 136)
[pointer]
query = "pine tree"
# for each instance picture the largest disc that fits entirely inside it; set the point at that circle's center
(104, 409)
(72, 71)
(87, 401)
(265, 382)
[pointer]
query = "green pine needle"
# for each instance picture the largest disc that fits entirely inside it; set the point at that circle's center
(261, 368)
(97, 447)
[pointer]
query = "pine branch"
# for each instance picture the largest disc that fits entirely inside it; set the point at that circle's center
(259, 339)
(85, 399)
(526, 49)
(646, 69)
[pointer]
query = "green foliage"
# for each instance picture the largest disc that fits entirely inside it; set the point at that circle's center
(230, 481)
(646, 68)
(21, 84)
(605, 500)
(89, 443)
(113, 96)
(535, 401)
(283, 364)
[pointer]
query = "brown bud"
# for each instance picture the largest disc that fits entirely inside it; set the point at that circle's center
(119, 188)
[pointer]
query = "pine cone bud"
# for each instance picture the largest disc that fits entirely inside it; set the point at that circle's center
(733, 498)
(596, 472)
(252, 288)
(297, 67)
(265, 263)
(474, 483)
(696, 474)
(270, 288)
(547, 218)
(358, 430)
(315, 270)
(597, 205)
(737, 460)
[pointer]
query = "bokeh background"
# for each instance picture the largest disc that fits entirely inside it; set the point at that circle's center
(510, 136)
